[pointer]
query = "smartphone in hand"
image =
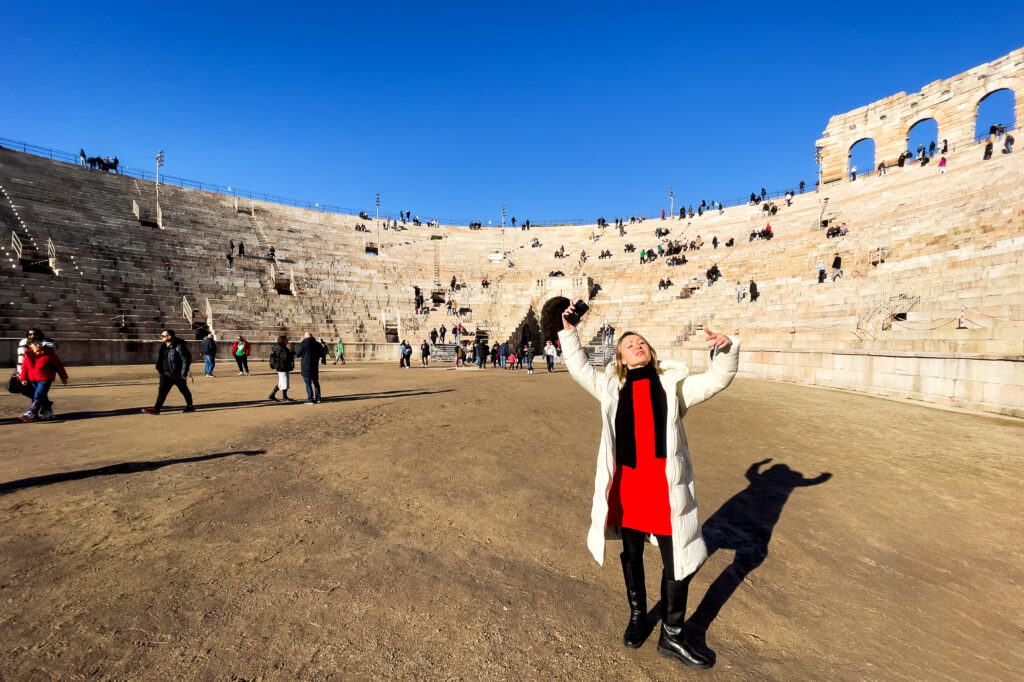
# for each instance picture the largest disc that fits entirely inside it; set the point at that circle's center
(579, 310)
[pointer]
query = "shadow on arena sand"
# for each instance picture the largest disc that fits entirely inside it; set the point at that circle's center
(113, 469)
(743, 524)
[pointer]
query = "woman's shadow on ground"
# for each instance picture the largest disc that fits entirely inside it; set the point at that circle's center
(744, 524)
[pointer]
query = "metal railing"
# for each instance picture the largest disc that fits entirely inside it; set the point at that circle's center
(186, 310)
(68, 157)
(16, 244)
(984, 135)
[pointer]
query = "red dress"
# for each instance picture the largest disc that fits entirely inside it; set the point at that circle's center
(638, 498)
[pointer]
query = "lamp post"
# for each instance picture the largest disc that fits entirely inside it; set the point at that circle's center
(378, 222)
(378, 207)
(503, 215)
(159, 162)
(671, 202)
(817, 160)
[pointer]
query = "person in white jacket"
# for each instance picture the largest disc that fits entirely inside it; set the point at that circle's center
(644, 481)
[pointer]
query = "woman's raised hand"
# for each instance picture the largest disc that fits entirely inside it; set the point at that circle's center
(565, 322)
(718, 341)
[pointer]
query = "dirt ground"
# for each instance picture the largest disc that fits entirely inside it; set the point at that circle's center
(430, 524)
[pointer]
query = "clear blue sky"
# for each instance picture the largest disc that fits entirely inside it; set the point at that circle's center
(450, 109)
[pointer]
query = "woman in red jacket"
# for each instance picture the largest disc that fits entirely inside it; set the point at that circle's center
(240, 352)
(39, 368)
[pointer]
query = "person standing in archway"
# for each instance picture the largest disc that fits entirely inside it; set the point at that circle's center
(644, 481)
(549, 356)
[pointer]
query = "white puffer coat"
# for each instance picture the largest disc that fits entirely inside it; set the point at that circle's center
(682, 392)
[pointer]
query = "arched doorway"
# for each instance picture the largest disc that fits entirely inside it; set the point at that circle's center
(528, 330)
(995, 108)
(551, 319)
(923, 135)
(862, 157)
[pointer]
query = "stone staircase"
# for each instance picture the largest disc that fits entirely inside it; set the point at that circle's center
(921, 246)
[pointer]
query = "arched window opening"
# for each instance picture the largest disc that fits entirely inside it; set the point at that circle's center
(994, 110)
(923, 139)
(862, 158)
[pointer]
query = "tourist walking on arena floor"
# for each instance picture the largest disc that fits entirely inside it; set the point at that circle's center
(240, 352)
(481, 354)
(310, 351)
(39, 366)
(407, 354)
(528, 352)
(339, 349)
(495, 355)
(208, 349)
(172, 362)
(282, 360)
(327, 352)
(549, 356)
(15, 386)
(644, 454)
(424, 354)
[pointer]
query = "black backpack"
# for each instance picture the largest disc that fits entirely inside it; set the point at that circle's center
(275, 358)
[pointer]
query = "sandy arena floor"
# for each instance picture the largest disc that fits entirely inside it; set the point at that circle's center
(430, 524)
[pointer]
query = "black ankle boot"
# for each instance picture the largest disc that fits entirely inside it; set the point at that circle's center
(636, 593)
(273, 395)
(672, 643)
(284, 397)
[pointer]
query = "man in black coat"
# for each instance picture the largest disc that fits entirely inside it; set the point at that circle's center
(310, 351)
(481, 354)
(209, 352)
(172, 363)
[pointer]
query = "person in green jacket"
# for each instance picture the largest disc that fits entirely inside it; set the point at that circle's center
(340, 350)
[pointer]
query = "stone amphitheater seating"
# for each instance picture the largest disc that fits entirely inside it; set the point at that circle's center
(889, 326)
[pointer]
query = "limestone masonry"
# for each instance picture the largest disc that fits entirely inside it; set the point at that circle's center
(930, 306)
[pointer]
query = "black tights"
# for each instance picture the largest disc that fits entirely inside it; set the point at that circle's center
(633, 542)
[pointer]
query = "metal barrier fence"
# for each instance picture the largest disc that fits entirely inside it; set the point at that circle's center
(68, 157)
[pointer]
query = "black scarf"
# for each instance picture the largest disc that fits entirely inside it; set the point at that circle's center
(625, 429)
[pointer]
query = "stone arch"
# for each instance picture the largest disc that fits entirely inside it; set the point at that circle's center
(981, 127)
(859, 158)
(924, 135)
(551, 309)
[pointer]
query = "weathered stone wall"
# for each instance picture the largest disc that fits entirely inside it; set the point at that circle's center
(993, 385)
(952, 102)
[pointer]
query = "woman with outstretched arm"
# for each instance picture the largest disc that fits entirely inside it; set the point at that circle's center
(644, 481)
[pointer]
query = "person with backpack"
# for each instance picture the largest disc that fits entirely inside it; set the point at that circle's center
(240, 351)
(40, 365)
(282, 360)
(326, 353)
(172, 362)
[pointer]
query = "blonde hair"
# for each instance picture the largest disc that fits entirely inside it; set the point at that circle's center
(620, 368)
